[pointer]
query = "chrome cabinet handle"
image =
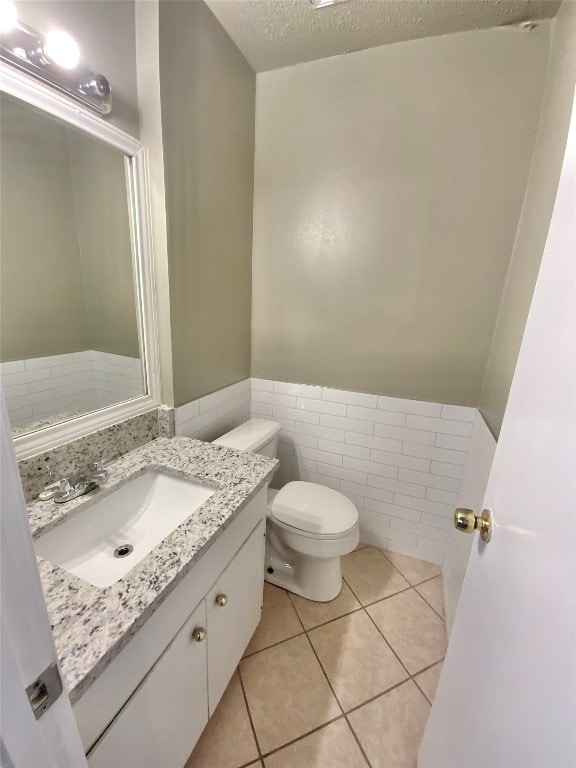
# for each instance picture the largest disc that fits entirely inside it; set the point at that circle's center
(221, 600)
(199, 634)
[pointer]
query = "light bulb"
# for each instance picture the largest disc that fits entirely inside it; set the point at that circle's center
(8, 16)
(62, 49)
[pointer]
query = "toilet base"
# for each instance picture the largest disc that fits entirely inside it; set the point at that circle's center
(313, 578)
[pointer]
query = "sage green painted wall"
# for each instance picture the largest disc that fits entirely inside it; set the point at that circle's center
(65, 252)
(535, 218)
(208, 100)
(42, 211)
(41, 284)
(102, 221)
(388, 187)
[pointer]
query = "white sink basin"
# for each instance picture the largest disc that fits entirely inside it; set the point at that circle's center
(139, 514)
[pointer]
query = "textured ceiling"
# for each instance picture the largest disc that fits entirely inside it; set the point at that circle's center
(280, 33)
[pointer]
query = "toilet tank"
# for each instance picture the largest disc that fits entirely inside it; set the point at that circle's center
(255, 436)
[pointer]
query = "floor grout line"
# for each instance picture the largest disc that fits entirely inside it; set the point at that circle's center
(378, 696)
(344, 713)
(317, 657)
(422, 691)
(355, 736)
(357, 740)
(378, 628)
(396, 568)
(273, 645)
(410, 676)
(425, 581)
(331, 621)
(404, 667)
(392, 687)
(325, 674)
(417, 674)
(410, 585)
(249, 713)
(381, 599)
(303, 736)
(252, 762)
(295, 610)
(406, 577)
(425, 669)
(308, 733)
(429, 604)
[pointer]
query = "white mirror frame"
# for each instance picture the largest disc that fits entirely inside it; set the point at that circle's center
(41, 96)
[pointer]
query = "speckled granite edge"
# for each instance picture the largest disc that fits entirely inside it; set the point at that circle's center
(76, 456)
(91, 625)
(47, 421)
(166, 423)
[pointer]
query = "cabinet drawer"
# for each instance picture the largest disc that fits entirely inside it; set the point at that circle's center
(231, 625)
(162, 721)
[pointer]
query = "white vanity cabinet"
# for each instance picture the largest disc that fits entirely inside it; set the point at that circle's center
(168, 711)
(234, 606)
(157, 721)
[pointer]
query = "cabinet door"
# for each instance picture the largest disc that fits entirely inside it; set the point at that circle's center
(162, 721)
(231, 625)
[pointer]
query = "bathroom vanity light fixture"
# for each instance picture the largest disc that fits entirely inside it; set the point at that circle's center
(62, 49)
(8, 16)
(55, 60)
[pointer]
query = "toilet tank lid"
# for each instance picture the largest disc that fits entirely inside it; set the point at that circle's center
(314, 508)
(250, 436)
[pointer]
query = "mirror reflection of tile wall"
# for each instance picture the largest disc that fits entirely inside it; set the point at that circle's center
(69, 337)
(45, 390)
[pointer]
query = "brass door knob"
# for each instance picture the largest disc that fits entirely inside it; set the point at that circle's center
(466, 521)
(199, 634)
(221, 600)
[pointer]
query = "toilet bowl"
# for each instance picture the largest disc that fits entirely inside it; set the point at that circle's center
(308, 528)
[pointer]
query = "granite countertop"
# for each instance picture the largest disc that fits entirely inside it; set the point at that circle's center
(47, 421)
(90, 624)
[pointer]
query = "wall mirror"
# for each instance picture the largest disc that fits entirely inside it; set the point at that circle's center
(77, 319)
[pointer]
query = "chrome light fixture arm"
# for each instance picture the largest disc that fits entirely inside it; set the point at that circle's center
(26, 50)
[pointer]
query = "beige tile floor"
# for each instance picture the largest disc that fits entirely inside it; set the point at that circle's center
(345, 684)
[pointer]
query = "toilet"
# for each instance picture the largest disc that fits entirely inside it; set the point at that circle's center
(308, 528)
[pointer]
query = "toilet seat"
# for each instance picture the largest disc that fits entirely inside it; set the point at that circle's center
(315, 536)
(313, 511)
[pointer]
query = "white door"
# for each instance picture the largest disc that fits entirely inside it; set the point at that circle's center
(26, 642)
(507, 695)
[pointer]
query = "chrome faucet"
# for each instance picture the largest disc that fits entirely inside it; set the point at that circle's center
(87, 482)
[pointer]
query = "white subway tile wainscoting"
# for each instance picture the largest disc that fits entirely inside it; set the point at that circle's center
(41, 387)
(211, 416)
(400, 461)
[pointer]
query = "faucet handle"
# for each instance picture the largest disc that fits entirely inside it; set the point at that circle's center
(98, 469)
(56, 490)
(49, 491)
(64, 485)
